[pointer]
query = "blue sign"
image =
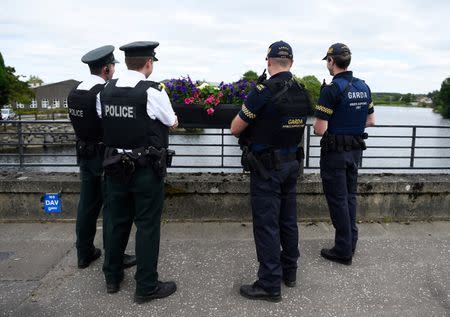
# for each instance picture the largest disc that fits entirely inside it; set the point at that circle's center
(52, 203)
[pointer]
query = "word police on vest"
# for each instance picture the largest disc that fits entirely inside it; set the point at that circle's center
(76, 112)
(120, 111)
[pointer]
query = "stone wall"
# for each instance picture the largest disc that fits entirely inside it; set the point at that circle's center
(38, 134)
(225, 197)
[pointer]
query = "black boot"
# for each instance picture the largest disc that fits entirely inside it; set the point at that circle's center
(290, 279)
(114, 287)
(255, 291)
(331, 255)
(163, 289)
(85, 262)
(129, 261)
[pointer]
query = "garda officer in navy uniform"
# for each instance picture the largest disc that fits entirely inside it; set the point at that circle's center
(88, 130)
(270, 126)
(136, 115)
(344, 109)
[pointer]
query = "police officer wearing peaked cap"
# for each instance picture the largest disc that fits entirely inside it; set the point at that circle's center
(89, 148)
(344, 109)
(270, 127)
(136, 115)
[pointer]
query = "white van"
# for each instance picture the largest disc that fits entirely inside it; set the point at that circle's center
(7, 114)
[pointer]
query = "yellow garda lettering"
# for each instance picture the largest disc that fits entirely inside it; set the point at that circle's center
(119, 111)
(294, 123)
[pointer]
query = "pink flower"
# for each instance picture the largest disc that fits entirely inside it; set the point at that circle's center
(209, 100)
(189, 100)
(210, 111)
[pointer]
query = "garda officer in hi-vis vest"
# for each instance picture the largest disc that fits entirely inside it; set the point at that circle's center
(136, 116)
(89, 148)
(344, 109)
(270, 127)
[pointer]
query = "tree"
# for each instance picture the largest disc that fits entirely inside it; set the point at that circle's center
(250, 75)
(3, 84)
(312, 86)
(407, 98)
(34, 81)
(12, 89)
(434, 95)
(444, 99)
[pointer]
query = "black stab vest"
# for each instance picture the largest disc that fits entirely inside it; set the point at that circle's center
(284, 126)
(126, 124)
(83, 114)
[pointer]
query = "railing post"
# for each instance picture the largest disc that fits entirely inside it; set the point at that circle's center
(20, 143)
(223, 147)
(307, 145)
(413, 146)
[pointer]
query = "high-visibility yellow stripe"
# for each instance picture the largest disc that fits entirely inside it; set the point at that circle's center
(324, 109)
(248, 113)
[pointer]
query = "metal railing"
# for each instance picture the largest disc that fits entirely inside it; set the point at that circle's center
(390, 147)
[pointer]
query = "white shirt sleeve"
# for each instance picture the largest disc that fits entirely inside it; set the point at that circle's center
(159, 107)
(98, 106)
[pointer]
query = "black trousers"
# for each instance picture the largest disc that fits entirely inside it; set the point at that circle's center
(274, 211)
(339, 173)
(89, 205)
(139, 201)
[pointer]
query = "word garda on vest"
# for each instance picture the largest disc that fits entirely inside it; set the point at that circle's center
(357, 94)
(76, 112)
(120, 111)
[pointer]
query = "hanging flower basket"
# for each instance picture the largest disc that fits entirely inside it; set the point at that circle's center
(203, 105)
(195, 116)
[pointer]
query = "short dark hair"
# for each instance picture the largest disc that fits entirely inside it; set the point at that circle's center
(342, 61)
(136, 62)
(96, 69)
(283, 62)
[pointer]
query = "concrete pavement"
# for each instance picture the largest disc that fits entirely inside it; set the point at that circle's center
(398, 270)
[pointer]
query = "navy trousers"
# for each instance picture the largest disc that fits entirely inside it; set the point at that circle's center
(275, 224)
(139, 201)
(339, 173)
(89, 205)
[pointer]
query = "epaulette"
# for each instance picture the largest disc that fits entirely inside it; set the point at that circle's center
(157, 86)
(260, 87)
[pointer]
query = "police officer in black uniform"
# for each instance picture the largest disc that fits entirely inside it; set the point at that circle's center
(90, 148)
(136, 115)
(344, 109)
(270, 127)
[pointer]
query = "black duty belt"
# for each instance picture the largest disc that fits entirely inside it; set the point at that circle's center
(283, 158)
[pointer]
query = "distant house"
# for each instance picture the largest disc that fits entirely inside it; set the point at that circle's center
(425, 100)
(50, 96)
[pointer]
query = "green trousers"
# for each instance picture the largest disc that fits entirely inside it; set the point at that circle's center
(89, 205)
(140, 200)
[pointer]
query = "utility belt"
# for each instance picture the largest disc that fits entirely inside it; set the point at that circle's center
(266, 161)
(89, 149)
(340, 143)
(123, 165)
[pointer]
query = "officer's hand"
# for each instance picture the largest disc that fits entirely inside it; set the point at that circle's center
(175, 124)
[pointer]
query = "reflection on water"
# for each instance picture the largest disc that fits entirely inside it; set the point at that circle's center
(199, 152)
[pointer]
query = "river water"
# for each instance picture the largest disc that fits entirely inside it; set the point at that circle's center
(192, 148)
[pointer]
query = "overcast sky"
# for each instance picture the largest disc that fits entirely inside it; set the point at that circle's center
(397, 46)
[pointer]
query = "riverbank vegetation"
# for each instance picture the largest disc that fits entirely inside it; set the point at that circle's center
(441, 99)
